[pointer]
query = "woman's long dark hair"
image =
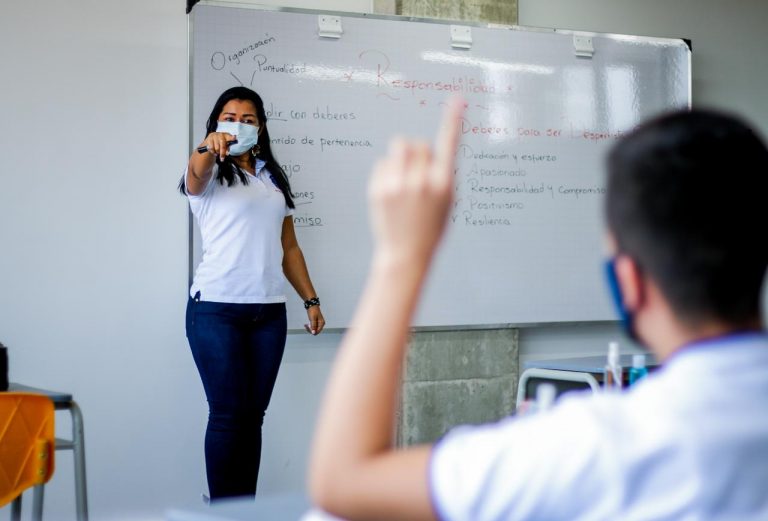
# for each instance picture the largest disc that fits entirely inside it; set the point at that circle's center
(227, 170)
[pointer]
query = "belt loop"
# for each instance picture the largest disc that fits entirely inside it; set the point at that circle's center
(197, 297)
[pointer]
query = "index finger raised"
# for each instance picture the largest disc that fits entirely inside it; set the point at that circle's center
(447, 139)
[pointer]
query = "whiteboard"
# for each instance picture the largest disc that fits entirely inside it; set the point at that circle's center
(525, 240)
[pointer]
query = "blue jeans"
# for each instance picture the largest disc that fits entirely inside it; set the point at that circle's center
(237, 349)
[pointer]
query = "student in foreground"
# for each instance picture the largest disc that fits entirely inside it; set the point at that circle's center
(686, 217)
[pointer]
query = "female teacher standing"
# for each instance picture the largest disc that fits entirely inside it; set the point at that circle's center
(236, 324)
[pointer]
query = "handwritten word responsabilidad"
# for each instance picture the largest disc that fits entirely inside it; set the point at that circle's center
(464, 85)
(517, 188)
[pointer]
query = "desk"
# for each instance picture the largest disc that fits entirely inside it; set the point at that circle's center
(64, 401)
(288, 507)
(570, 374)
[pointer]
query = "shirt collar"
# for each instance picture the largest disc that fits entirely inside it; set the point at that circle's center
(731, 348)
(259, 166)
(736, 337)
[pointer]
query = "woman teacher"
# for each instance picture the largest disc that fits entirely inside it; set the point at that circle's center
(236, 320)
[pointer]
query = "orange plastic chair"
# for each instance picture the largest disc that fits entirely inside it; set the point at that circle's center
(27, 444)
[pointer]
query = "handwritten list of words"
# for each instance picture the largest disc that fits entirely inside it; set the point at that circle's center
(501, 170)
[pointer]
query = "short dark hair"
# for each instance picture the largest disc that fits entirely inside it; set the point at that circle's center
(686, 199)
(227, 170)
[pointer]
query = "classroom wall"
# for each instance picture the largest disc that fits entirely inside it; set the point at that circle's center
(93, 254)
(93, 264)
(93, 237)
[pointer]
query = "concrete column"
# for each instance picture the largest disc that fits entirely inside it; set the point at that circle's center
(456, 377)
(494, 11)
(384, 6)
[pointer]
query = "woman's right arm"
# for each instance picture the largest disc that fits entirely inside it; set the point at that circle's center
(200, 167)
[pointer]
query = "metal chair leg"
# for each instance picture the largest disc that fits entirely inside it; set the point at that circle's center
(37, 502)
(78, 441)
(16, 509)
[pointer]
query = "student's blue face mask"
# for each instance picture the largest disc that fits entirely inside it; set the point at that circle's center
(627, 320)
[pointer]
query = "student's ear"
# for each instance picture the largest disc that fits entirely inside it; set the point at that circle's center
(631, 282)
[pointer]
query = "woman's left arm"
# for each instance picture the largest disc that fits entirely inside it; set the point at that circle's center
(295, 269)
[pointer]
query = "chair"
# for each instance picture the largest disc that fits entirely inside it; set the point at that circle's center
(27, 442)
(563, 381)
(64, 401)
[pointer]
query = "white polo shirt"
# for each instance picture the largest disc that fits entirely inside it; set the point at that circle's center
(241, 228)
(690, 442)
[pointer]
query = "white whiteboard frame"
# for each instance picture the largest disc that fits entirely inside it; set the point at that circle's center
(437, 21)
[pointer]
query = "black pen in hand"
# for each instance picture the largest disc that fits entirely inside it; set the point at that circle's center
(203, 150)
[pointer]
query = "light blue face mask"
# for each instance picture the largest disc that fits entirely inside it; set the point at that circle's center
(247, 136)
(627, 320)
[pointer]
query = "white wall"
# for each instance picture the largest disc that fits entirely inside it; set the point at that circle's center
(92, 269)
(93, 253)
(93, 237)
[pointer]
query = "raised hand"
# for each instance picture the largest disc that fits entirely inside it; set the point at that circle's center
(411, 191)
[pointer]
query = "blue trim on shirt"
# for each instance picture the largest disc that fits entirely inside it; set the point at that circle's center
(718, 341)
(726, 338)
(259, 165)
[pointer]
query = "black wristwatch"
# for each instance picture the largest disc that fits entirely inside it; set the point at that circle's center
(314, 301)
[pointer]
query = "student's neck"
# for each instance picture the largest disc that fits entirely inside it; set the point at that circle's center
(679, 335)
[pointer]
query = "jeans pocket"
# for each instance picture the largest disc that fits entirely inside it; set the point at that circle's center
(190, 314)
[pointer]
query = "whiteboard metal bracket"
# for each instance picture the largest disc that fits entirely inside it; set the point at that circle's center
(461, 37)
(329, 26)
(583, 46)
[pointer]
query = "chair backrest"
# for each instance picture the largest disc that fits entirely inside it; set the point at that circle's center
(27, 442)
